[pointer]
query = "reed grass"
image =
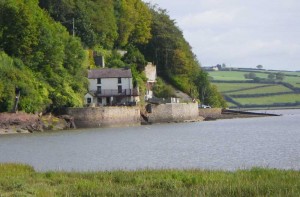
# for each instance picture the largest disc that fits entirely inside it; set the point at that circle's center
(23, 180)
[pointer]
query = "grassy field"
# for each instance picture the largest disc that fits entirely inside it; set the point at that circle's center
(264, 90)
(243, 93)
(227, 75)
(228, 87)
(290, 77)
(295, 81)
(22, 180)
(292, 98)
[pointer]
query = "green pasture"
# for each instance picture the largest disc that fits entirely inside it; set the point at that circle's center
(225, 87)
(230, 88)
(227, 75)
(234, 75)
(23, 180)
(288, 98)
(264, 90)
(239, 76)
(294, 81)
(230, 104)
(291, 73)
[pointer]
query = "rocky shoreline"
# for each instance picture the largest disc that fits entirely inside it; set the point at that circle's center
(22, 122)
(28, 123)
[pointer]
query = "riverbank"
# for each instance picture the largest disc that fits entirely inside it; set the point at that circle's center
(28, 123)
(22, 180)
(21, 122)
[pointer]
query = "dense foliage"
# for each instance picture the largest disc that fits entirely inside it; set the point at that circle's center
(47, 63)
(162, 90)
(175, 60)
(47, 45)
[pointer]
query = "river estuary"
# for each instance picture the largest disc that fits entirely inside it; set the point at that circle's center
(272, 142)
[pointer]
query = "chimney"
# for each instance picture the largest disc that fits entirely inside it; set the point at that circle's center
(103, 61)
(99, 60)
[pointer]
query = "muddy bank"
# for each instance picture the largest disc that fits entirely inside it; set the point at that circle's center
(28, 123)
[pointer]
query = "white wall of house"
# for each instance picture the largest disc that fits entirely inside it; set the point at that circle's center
(92, 99)
(149, 94)
(110, 84)
(150, 72)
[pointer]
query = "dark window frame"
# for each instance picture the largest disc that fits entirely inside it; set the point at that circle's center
(89, 100)
(119, 88)
(99, 89)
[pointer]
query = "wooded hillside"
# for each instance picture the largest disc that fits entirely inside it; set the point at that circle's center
(46, 48)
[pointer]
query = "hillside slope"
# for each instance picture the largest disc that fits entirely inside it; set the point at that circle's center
(264, 90)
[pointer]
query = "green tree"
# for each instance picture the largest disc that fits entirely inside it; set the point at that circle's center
(19, 30)
(34, 93)
(163, 90)
(208, 93)
(271, 76)
(279, 76)
(94, 20)
(259, 66)
(250, 75)
(134, 22)
(50, 55)
(168, 49)
(134, 56)
(214, 98)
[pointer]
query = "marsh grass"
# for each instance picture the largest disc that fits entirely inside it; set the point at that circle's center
(22, 180)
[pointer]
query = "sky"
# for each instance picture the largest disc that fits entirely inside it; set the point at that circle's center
(240, 33)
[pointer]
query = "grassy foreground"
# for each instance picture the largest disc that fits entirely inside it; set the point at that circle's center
(22, 180)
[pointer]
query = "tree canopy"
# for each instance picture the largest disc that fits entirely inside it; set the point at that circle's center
(42, 54)
(46, 47)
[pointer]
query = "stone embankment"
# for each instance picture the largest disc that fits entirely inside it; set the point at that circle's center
(218, 113)
(28, 123)
(113, 116)
(172, 112)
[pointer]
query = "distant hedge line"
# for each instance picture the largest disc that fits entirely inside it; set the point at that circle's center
(258, 95)
(295, 104)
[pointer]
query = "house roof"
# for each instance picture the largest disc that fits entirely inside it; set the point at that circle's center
(91, 93)
(109, 73)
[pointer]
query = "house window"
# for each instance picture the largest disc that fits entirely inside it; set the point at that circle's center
(89, 100)
(99, 100)
(99, 89)
(99, 81)
(119, 89)
(119, 80)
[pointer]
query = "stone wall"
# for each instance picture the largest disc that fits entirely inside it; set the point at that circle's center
(92, 117)
(173, 112)
(210, 112)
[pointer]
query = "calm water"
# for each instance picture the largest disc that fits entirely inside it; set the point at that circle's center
(272, 142)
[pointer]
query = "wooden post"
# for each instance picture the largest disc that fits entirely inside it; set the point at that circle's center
(17, 90)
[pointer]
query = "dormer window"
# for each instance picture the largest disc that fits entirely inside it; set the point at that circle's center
(99, 81)
(119, 80)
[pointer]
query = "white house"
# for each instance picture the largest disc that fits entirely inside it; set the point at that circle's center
(110, 86)
(150, 72)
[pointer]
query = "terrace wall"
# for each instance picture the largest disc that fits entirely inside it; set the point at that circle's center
(93, 117)
(173, 112)
(210, 112)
